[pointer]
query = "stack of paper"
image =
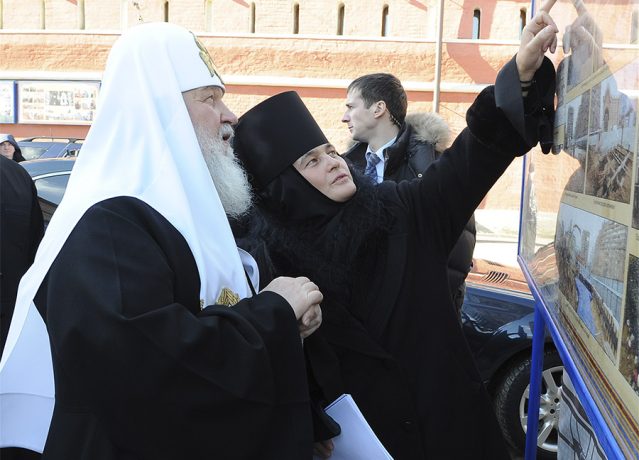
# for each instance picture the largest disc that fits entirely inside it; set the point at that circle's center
(357, 440)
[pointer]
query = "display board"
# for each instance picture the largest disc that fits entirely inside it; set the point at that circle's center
(57, 102)
(7, 101)
(579, 240)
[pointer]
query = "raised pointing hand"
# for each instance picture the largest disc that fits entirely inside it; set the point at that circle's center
(539, 36)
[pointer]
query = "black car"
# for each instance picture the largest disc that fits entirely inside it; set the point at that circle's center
(50, 177)
(497, 318)
(49, 147)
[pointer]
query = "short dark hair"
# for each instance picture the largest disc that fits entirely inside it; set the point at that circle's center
(383, 87)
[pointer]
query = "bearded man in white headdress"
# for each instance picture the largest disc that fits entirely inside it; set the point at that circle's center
(137, 332)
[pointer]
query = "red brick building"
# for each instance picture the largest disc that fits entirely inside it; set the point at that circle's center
(262, 47)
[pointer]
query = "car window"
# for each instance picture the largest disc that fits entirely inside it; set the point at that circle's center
(31, 153)
(73, 150)
(52, 188)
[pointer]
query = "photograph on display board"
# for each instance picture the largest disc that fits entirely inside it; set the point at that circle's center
(575, 143)
(584, 59)
(629, 349)
(591, 254)
(57, 102)
(635, 207)
(7, 102)
(611, 142)
(587, 273)
(573, 420)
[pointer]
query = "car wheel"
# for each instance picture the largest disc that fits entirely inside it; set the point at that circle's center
(511, 404)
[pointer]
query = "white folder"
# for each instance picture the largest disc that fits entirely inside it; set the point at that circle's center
(357, 440)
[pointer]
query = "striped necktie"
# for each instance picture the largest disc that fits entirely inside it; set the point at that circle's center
(371, 166)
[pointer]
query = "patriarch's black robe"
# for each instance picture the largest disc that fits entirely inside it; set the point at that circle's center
(143, 372)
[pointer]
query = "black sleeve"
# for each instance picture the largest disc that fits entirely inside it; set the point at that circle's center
(532, 116)
(164, 377)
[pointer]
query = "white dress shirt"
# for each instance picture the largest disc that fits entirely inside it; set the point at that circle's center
(380, 154)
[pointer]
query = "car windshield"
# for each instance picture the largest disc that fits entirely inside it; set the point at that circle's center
(32, 152)
(50, 147)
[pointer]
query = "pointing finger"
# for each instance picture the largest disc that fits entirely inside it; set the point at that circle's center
(547, 5)
(544, 40)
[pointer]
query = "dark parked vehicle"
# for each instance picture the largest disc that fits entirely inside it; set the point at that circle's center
(50, 177)
(49, 147)
(497, 318)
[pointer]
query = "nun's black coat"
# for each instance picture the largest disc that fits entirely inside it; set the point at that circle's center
(397, 346)
(142, 372)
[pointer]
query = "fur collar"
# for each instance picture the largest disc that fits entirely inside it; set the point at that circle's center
(431, 128)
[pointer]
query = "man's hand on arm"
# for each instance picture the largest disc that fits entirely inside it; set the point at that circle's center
(310, 321)
(304, 297)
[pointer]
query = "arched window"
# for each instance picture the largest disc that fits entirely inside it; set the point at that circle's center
(208, 15)
(634, 27)
(252, 19)
(81, 21)
(43, 14)
(476, 24)
(296, 18)
(385, 21)
(166, 11)
(522, 20)
(340, 19)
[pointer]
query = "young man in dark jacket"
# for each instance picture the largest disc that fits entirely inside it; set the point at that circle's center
(389, 145)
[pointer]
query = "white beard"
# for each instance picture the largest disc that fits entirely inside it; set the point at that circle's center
(228, 175)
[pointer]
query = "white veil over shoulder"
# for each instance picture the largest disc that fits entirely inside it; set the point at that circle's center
(142, 144)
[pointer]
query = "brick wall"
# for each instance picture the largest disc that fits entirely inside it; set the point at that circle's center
(315, 55)
(112, 15)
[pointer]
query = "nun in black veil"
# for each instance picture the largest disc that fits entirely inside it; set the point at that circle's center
(390, 336)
